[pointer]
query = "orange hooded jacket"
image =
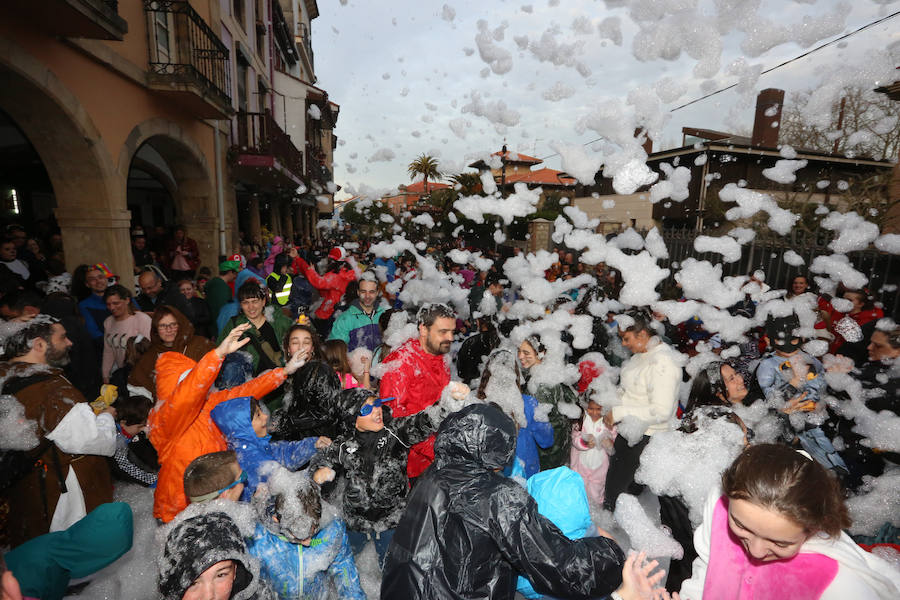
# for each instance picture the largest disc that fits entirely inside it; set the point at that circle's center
(180, 426)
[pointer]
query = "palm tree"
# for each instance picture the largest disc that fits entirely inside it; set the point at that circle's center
(469, 183)
(427, 167)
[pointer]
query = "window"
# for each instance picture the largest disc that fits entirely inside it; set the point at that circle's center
(162, 31)
(241, 85)
(237, 10)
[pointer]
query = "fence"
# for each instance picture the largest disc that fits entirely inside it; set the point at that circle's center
(882, 269)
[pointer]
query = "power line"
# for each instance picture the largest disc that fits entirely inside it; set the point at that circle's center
(769, 70)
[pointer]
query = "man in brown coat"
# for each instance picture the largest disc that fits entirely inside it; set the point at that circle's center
(72, 440)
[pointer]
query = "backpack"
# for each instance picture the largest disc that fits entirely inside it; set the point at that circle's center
(16, 464)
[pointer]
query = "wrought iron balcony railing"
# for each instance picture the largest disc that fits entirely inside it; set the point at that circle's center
(258, 133)
(184, 50)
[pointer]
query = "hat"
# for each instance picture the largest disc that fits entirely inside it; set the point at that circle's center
(104, 269)
(233, 263)
(337, 253)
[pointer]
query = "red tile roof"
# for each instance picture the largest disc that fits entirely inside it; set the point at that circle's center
(518, 157)
(541, 177)
(419, 187)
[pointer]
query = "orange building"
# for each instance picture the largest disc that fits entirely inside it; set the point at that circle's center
(116, 115)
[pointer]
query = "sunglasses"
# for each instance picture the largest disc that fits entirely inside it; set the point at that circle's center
(366, 409)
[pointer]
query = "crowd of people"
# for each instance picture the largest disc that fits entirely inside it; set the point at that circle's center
(317, 399)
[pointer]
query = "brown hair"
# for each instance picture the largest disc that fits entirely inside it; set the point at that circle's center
(317, 353)
(209, 472)
(778, 478)
(336, 355)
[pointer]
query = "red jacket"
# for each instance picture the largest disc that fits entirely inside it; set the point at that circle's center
(180, 426)
(416, 379)
(331, 286)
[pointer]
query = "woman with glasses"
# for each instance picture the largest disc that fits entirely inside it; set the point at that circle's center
(170, 331)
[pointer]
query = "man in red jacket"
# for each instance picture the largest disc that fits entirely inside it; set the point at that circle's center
(416, 374)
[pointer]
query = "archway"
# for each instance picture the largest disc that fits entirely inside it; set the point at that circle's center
(167, 182)
(90, 201)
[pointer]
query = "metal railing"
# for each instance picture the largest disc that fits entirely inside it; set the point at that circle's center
(767, 253)
(184, 49)
(307, 45)
(259, 133)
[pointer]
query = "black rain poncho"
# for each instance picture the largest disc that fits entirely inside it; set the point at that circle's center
(310, 404)
(468, 530)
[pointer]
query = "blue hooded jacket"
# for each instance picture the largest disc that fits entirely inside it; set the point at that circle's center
(297, 571)
(561, 497)
(234, 420)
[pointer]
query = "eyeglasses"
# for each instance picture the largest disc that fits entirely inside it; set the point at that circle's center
(168, 325)
(366, 409)
(242, 478)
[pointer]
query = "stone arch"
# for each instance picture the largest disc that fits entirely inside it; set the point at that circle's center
(91, 210)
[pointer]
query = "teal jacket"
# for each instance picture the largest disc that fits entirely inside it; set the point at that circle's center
(45, 564)
(561, 497)
(356, 328)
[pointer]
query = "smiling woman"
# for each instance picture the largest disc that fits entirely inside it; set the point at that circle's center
(776, 532)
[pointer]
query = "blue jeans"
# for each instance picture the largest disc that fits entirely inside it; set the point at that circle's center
(382, 541)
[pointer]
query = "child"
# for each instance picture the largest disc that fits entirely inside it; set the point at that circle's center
(592, 444)
(214, 476)
(372, 453)
(336, 355)
(243, 423)
(135, 458)
(299, 559)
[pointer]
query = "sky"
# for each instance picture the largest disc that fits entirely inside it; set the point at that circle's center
(456, 79)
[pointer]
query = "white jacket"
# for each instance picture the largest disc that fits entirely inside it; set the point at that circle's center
(648, 387)
(861, 575)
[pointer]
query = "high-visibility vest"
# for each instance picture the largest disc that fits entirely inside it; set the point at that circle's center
(282, 296)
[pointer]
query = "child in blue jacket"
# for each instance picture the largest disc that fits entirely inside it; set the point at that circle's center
(243, 423)
(297, 558)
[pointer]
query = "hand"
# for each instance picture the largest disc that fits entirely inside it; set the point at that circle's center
(608, 420)
(232, 343)
(296, 361)
(364, 361)
(293, 252)
(798, 404)
(590, 443)
(323, 474)
(638, 579)
(323, 442)
(109, 409)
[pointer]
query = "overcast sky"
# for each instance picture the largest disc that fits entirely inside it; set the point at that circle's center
(411, 77)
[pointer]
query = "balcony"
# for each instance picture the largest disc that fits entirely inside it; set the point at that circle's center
(263, 154)
(188, 61)
(304, 42)
(94, 19)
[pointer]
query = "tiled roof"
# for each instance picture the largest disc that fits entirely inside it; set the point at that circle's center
(518, 157)
(541, 177)
(419, 187)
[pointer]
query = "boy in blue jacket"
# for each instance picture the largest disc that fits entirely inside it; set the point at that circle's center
(298, 558)
(243, 423)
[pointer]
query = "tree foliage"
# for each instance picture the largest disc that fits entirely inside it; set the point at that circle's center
(427, 167)
(869, 128)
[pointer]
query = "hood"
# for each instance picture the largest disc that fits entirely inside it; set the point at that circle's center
(479, 435)
(185, 329)
(289, 504)
(561, 497)
(237, 369)
(234, 420)
(349, 403)
(196, 544)
(169, 368)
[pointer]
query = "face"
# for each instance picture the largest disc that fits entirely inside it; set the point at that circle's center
(187, 289)
(214, 583)
(8, 251)
(879, 347)
(734, 384)
(765, 534)
(32, 246)
(167, 328)
(799, 285)
(300, 340)
(594, 411)
(437, 338)
(528, 356)
(858, 301)
(140, 243)
(635, 342)
(372, 421)
(368, 292)
(58, 348)
(150, 285)
(253, 308)
(260, 420)
(96, 281)
(117, 306)
(179, 235)
(132, 430)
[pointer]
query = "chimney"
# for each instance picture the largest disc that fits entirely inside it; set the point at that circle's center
(767, 120)
(648, 142)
